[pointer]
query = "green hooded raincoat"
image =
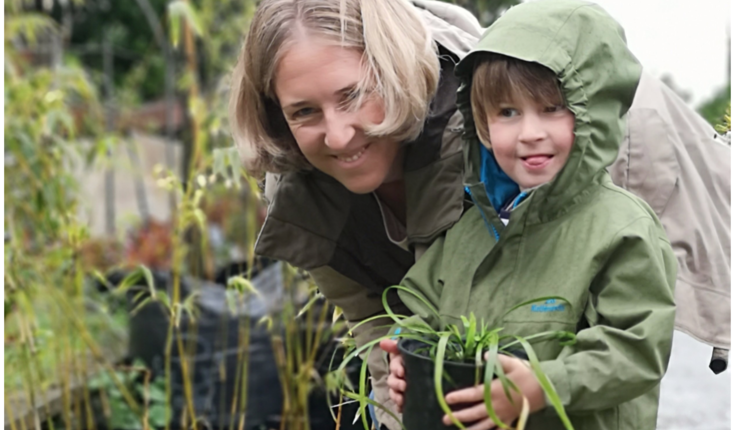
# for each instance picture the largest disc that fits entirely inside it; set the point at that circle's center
(578, 236)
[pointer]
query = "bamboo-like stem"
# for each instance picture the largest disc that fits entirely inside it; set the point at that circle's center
(87, 398)
(106, 412)
(63, 376)
(82, 330)
(9, 411)
(191, 54)
(278, 351)
(167, 371)
(29, 388)
(75, 375)
(183, 359)
(339, 416)
(244, 366)
(236, 392)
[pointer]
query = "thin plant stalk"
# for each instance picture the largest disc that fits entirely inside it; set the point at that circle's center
(84, 333)
(87, 398)
(339, 416)
(245, 360)
(278, 345)
(29, 352)
(167, 371)
(9, 411)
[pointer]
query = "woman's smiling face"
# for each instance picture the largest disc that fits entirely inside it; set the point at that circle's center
(315, 83)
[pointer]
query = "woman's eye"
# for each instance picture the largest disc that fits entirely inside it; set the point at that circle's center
(348, 98)
(302, 113)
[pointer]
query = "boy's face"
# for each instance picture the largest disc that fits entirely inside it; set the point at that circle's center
(531, 142)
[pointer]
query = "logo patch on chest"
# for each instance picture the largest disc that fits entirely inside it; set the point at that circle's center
(550, 305)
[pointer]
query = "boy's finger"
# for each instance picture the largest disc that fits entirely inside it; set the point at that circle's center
(389, 345)
(396, 367)
(396, 384)
(397, 398)
(486, 424)
(468, 415)
(509, 363)
(466, 395)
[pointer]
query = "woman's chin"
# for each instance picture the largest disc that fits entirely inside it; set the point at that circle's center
(363, 184)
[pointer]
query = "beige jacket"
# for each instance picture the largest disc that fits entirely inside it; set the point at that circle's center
(674, 159)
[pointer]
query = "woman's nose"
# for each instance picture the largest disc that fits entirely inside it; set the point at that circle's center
(340, 128)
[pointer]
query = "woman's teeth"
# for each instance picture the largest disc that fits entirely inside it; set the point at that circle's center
(352, 157)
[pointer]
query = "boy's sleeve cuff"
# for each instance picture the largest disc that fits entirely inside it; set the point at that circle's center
(557, 375)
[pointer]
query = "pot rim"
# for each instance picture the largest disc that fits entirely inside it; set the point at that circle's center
(403, 350)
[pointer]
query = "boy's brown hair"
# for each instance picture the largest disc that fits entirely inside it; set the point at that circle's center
(498, 79)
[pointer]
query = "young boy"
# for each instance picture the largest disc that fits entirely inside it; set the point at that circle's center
(545, 91)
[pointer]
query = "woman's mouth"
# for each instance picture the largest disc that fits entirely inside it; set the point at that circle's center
(352, 158)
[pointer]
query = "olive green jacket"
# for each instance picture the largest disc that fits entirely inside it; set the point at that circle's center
(579, 236)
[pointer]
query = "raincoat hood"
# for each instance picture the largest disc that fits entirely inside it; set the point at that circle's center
(587, 51)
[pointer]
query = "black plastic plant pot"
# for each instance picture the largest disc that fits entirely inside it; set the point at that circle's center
(422, 411)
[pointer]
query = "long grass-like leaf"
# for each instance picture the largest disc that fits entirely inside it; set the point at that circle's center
(439, 362)
(375, 404)
(363, 396)
(545, 383)
(373, 342)
(422, 299)
(524, 415)
(491, 362)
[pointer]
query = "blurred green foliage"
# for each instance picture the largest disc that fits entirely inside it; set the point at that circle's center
(139, 62)
(716, 107)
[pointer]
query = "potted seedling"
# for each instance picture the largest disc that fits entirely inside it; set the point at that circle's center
(438, 361)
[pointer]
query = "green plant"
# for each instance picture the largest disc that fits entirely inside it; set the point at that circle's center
(118, 412)
(466, 343)
(725, 127)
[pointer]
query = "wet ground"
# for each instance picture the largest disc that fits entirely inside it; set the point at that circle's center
(692, 397)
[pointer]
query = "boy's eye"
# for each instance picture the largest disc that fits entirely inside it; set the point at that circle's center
(555, 108)
(508, 112)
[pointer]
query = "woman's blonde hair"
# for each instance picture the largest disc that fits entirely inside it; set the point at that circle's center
(399, 58)
(499, 79)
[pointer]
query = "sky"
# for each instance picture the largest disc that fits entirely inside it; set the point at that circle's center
(687, 39)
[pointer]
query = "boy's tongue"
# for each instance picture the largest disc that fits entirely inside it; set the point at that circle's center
(536, 160)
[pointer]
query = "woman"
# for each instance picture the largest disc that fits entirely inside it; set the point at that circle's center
(349, 106)
(354, 111)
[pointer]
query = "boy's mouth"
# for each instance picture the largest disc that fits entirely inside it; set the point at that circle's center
(534, 162)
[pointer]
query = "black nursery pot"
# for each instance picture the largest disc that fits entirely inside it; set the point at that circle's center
(421, 409)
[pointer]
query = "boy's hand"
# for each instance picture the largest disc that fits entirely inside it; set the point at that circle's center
(396, 382)
(517, 371)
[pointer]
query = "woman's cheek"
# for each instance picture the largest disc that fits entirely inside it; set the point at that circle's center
(306, 140)
(373, 111)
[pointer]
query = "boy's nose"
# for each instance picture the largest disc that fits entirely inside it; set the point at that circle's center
(339, 130)
(532, 129)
